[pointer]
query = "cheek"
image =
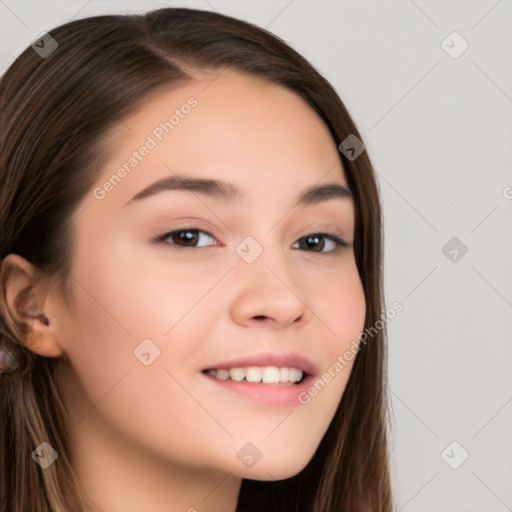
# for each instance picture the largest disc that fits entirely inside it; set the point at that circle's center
(339, 302)
(125, 308)
(341, 309)
(111, 384)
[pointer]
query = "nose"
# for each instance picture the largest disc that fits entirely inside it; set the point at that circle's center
(267, 291)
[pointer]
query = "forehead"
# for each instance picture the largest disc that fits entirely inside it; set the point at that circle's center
(243, 129)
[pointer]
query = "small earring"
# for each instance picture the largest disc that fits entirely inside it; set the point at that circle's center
(8, 361)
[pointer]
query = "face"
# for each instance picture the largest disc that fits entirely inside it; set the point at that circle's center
(171, 282)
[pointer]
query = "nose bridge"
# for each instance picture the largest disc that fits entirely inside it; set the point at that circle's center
(263, 282)
(260, 254)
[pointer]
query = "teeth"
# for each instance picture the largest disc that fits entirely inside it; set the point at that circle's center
(237, 374)
(252, 374)
(222, 374)
(294, 375)
(270, 375)
(265, 374)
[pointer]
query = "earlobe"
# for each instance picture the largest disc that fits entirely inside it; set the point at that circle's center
(24, 301)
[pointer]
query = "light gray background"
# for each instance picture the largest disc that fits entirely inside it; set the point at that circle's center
(439, 132)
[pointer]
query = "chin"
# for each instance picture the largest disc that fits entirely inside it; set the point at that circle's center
(281, 468)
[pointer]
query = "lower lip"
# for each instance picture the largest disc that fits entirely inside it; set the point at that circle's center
(281, 395)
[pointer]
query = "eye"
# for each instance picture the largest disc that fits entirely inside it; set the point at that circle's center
(188, 238)
(317, 240)
(184, 238)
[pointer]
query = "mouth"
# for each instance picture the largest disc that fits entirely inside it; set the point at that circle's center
(265, 375)
(275, 386)
(270, 378)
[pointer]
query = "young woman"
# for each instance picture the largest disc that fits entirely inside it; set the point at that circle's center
(191, 258)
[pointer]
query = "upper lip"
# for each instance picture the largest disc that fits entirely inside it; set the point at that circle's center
(290, 359)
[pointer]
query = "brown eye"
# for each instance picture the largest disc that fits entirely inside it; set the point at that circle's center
(316, 242)
(180, 239)
(189, 238)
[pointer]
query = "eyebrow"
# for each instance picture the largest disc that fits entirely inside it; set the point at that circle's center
(228, 192)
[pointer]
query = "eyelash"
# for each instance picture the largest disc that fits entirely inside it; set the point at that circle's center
(340, 243)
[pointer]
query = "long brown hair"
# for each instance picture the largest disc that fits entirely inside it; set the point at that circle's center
(56, 113)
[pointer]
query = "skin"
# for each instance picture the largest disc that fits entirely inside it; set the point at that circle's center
(162, 437)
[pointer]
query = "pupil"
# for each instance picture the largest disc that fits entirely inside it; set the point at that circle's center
(313, 240)
(187, 236)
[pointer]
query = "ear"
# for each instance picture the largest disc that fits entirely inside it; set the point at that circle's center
(26, 299)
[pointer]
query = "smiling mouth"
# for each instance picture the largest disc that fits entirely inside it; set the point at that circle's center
(259, 374)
